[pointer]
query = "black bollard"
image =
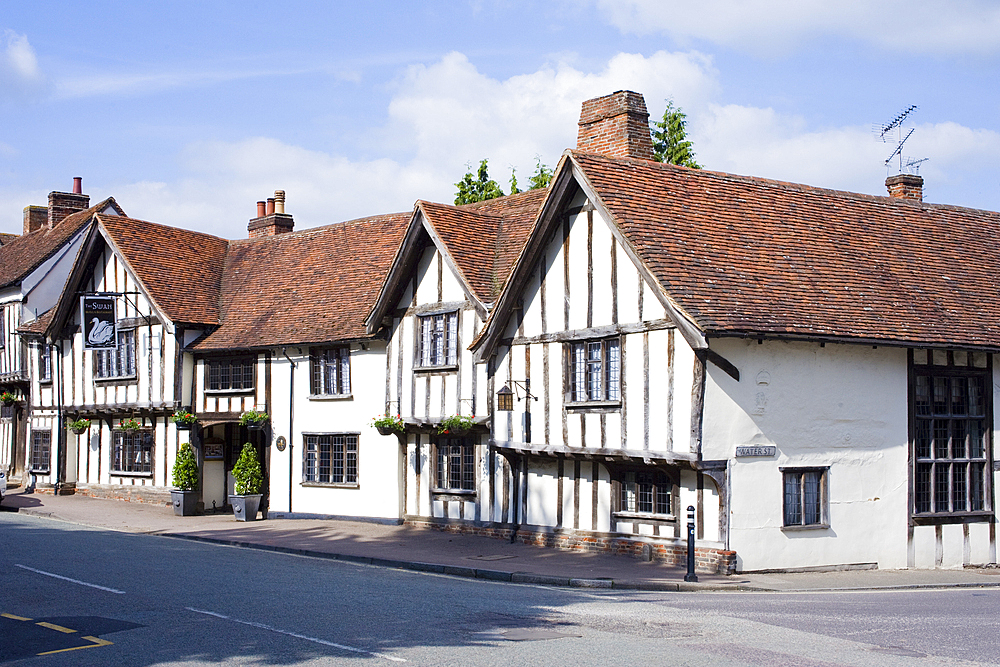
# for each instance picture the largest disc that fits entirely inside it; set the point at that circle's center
(690, 576)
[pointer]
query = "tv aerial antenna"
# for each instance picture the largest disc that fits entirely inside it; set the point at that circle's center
(885, 133)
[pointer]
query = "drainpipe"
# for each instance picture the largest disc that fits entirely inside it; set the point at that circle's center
(291, 422)
(60, 429)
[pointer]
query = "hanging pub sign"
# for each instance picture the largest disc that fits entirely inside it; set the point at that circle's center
(97, 313)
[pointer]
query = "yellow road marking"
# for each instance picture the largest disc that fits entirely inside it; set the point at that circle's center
(53, 626)
(97, 642)
(16, 618)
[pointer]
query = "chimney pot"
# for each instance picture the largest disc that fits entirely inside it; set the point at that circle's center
(260, 208)
(78, 185)
(279, 201)
(270, 206)
(906, 186)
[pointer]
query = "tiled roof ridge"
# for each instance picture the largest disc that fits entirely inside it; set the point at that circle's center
(775, 183)
(124, 218)
(465, 209)
(299, 233)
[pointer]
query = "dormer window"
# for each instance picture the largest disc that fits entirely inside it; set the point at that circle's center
(438, 343)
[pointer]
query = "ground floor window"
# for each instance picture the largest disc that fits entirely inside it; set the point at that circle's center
(132, 452)
(950, 413)
(331, 459)
(41, 448)
(646, 492)
(805, 496)
(456, 464)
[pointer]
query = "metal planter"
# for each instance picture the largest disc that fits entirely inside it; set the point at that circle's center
(245, 507)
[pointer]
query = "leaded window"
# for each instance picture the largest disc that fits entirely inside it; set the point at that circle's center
(331, 371)
(438, 345)
(950, 404)
(45, 363)
(646, 492)
(595, 370)
(331, 459)
(119, 362)
(230, 374)
(456, 465)
(132, 452)
(41, 447)
(805, 496)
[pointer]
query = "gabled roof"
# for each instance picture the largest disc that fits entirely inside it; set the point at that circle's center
(479, 242)
(749, 256)
(180, 270)
(304, 287)
(23, 254)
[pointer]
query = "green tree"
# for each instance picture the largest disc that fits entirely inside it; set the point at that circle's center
(477, 188)
(542, 176)
(669, 135)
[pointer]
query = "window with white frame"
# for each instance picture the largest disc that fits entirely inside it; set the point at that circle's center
(950, 413)
(595, 370)
(645, 492)
(438, 343)
(41, 447)
(132, 452)
(3, 330)
(230, 374)
(45, 363)
(330, 371)
(455, 465)
(330, 459)
(805, 497)
(119, 362)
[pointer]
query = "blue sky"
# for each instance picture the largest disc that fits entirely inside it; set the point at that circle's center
(189, 112)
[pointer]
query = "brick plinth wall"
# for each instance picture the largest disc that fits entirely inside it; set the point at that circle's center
(906, 186)
(130, 493)
(707, 560)
(616, 125)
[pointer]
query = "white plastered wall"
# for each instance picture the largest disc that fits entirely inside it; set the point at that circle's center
(378, 492)
(838, 406)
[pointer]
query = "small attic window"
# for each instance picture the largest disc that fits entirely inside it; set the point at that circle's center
(110, 210)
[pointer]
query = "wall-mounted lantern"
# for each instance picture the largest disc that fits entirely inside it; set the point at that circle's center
(505, 399)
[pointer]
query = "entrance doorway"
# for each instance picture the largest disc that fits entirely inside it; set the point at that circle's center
(222, 445)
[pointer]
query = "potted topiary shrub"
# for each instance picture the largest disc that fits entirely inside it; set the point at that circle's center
(184, 497)
(249, 480)
(79, 426)
(254, 419)
(184, 420)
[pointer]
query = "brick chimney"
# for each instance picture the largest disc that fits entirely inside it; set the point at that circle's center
(616, 125)
(906, 186)
(271, 217)
(35, 217)
(62, 204)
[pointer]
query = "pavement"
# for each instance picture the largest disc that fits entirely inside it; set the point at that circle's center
(425, 550)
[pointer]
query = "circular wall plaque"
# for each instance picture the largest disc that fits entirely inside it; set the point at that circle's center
(281, 443)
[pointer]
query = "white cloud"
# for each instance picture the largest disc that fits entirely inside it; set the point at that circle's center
(765, 26)
(442, 117)
(448, 114)
(19, 71)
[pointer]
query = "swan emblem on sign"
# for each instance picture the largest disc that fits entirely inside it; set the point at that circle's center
(101, 332)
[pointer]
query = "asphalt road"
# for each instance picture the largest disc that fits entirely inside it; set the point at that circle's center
(89, 597)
